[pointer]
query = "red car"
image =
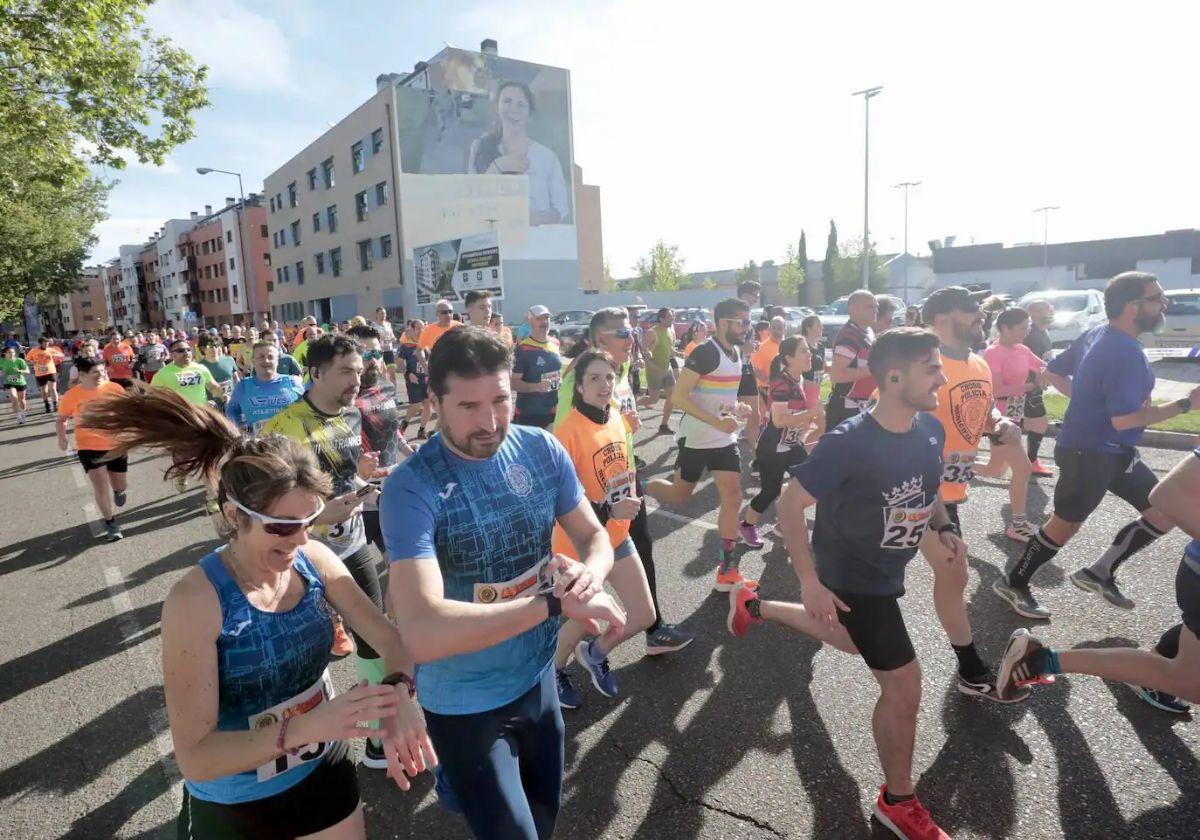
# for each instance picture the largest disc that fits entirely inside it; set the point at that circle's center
(683, 320)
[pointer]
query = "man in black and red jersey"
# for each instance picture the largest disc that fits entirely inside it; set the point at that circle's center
(852, 380)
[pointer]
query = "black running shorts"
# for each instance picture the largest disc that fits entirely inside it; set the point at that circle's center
(323, 799)
(418, 391)
(49, 377)
(1187, 595)
(1035, 406)
(877, 629)
(1085, 475)
(389, 358)
(90, 458)
(748, 386)
(692, 463)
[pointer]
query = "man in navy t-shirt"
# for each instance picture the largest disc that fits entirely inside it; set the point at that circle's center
(467, 523)
(1109, 381)
(875, 481)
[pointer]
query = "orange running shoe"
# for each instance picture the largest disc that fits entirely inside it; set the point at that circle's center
(728, 580)
(343, 645)
(908, 819)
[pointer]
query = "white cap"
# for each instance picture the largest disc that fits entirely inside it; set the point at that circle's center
(537, 310)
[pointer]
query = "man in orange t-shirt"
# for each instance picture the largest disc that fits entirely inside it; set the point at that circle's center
(108, 478)
(767, 350)
(44, 359)
(436, 329)
(118, 357)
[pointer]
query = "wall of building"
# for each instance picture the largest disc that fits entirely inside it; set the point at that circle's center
(588, 230)
(88, 304)
(173, 269)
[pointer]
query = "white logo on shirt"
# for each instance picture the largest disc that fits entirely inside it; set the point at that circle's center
(519, 480)
(445, 494)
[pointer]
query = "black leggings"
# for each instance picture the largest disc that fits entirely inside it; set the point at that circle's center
(364, 568)
(772, 469)
(639, 532)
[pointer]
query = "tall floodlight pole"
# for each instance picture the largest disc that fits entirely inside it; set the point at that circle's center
(867, 95)
(905, 185)
(1045, 211)
(247, 270)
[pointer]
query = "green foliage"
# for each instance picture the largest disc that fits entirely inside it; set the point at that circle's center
(791, 274)
(802, 259)
(829, 267)
(607, 282)
(747, 272)
(847, 274)
(708, 283)
(660, 271)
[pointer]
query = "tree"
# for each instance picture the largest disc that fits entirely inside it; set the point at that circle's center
(708, 283)
(661, 270)
(848, 269)
(829, 267)
(802, 260)
(80, 81)
(607, 282)
(747, 272)
(791, 273)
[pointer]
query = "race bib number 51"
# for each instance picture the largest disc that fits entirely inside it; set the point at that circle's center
(307, 700)
(903, 527)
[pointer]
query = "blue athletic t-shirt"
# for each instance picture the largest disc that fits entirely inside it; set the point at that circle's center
(489, 524)
(537, 361)
(254, 402)
(875, 491)
(1110, 377)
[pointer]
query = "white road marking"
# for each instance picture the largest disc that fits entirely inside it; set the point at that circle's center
(94, 519)
(679, 517)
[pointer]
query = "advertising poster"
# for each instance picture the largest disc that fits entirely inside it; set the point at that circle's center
(448, 270)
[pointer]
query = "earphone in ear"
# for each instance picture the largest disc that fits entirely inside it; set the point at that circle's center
(894, 378)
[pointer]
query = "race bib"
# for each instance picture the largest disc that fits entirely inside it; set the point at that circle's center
(532, 581)
(41, 369)
(621, 486)
(958, 467)
(226, 387)
(791, 438)
(343, 537)
(626, 402)
(1014, 409)
(187, 380)
(903, 527)
(14, 379)
(307, 700)
(555, 379)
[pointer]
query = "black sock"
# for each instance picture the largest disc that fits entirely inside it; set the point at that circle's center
(1038, 552)
(1129, 541)
(112, 521)
(1033, 442)
(892, 799)
(969, 662)
(1168, 645)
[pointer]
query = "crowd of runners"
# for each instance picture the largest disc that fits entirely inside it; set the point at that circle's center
(521, 494)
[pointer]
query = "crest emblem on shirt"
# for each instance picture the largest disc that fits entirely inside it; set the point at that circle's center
(907, 493)
(519, 480)
(970, 406)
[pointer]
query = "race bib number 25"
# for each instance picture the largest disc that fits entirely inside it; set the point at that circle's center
(903, 527)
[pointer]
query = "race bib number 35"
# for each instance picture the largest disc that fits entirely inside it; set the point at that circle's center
(958, 467)
(903, 527)
(319, 692)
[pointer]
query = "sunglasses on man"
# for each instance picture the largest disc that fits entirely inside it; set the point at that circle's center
(368, 355)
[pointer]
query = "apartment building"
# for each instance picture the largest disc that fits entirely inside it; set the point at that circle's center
(88, 312)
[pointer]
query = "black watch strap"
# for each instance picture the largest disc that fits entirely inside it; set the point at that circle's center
(1184, 404)
(553, 603)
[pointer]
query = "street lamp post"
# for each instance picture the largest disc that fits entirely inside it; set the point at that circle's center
(247, 270)
(1045, 211)
(867, 95)
(905, 186)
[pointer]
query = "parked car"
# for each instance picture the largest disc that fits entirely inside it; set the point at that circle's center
(835, 315)
(571, 317)
(1075, 312)
(794, 315)
(1182, 321)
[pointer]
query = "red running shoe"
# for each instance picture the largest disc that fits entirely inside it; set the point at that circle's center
(739, 616)
(343, 645)
(908, 820)
(1040, 470)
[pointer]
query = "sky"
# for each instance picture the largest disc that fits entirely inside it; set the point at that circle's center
(727, 134)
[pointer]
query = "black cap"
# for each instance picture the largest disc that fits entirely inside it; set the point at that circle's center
(948, 299)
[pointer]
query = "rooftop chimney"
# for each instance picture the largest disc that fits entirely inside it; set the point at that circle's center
(489, 47)
(385, 79)
(229, 201)
(207, 209)
(195, 214)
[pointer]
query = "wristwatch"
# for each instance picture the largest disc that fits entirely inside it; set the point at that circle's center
(948, 526)
(396, 678)
(553, 603)
(1184, 404)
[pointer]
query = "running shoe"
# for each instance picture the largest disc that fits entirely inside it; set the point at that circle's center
(47, 408)
(119, 498)
(373, 755)
(421, 434)
(984, 685)
(664, 429)
(568, 695)
(739, 615)
(1021, 664)
(21, 418)
(112, 531)
(1161, 700)
(908, 819)
(728, 580)
(748, 534)
(596, 664)
(1020, 599)
(343, 645)
(1040, 470)
(667, 639)
(1089, 581)
(777, 530)
(1022, 531)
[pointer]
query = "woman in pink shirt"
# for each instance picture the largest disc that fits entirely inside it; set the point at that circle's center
(1016, 371)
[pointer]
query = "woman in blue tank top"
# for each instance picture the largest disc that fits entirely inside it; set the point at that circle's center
(259, 735)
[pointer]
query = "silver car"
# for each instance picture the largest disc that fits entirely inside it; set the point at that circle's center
(1075, 311)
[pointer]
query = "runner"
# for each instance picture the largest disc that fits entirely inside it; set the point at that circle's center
(594, 436)
(851, 378)
(1109, 381)
(611, 330)
(326, 421)
(263, 394)
(478, 306)
(764, 356)
(496, 325)
(106, 473)
(537, 372)
(749, 292)
(222, 367)
(186, 377)
(707, 393)
(387, 342)
(873, 480)
(88, 349)
(118, 359)
(45, 358)
(1172, 670)
(1041, 316)
(885, 311)
(696, 335)
(476, 594)
(788, 418)
(1016, 374)
(14, 369)
(260, 739)
(813, 332)
(286, 364)
(430, 333)
(660, 367)
(151, 357)
(382, 429)
(414, 378)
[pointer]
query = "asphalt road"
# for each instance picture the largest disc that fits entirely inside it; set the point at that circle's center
(763, 737)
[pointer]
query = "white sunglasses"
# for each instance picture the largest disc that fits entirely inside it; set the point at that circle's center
(278, 527)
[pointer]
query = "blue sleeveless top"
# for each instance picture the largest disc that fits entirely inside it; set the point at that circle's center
(264, 660)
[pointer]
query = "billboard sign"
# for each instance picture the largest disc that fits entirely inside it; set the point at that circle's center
(448, 270)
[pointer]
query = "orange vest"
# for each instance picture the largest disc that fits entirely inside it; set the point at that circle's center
(965, 410)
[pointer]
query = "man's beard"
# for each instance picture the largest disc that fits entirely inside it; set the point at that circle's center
(1149, 323)
(734, 340)
(473, 448)
(368, 379)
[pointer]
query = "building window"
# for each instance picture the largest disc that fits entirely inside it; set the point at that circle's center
(204, 247)
(360, 206)
(320, 260)
(316, 222)
(232, 265)
(296, 232)
(272, 203)
(292, 194)
(266, 259)
(234, 292)
(217, 246)
(279, 275)
(385, 247)
(279, 201)
(300, 273)
(331, 218)
(228, 238)
(376, 141)
(270, 286)
(287, 274)
(358, 161)
(312, 179)
(364, 255)
(335, 262)
(327, 172)
(381, 193)
(263, 231)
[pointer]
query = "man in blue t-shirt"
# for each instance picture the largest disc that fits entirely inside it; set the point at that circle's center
(467, 523)
(537, 371)
(1109, 381)
(875, 482)
(258, 398)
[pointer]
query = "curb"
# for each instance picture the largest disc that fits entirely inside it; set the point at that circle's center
(1154, 438)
